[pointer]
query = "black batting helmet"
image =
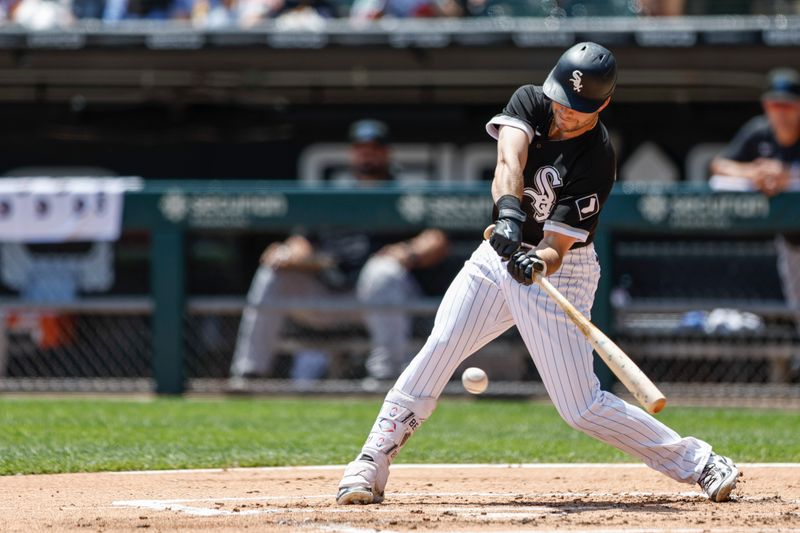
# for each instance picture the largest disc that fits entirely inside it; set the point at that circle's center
(583, 78)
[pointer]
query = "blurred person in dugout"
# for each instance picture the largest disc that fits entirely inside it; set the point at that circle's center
(376, 269)
(765, 155)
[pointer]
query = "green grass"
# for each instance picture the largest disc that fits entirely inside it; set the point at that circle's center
(76, 435)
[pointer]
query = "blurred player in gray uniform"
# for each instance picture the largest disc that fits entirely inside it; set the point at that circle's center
(766, 151)
(377, 269)
(555, 170)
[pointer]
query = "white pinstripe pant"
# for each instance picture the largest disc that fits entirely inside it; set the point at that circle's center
(382, 280)
(484, 301)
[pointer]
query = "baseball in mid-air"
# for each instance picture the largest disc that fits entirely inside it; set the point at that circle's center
(475, 380)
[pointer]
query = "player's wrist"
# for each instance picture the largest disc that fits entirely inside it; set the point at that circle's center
(509, 207)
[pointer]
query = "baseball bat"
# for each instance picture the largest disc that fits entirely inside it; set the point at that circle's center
(644, 390)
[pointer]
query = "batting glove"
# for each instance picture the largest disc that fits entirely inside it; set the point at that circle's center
(523, 266)
(507, 235)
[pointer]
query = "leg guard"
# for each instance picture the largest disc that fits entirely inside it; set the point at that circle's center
(365, 478)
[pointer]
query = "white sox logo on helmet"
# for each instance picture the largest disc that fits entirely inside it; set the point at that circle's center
(576, 80)
(542, 195)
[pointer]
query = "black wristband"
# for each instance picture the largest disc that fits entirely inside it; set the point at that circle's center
(543, 272)
(508, 206)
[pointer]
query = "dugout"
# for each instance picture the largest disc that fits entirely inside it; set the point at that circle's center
(186, 104)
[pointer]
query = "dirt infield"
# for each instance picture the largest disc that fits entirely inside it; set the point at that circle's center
(455, 498)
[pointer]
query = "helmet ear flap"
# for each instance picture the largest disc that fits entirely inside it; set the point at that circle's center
(584, 77)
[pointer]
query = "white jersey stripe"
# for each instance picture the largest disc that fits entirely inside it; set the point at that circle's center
(494, 125)
(566, 229)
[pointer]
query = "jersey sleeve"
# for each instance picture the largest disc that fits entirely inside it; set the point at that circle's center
(518, 113)
(744, 146)
(578, 208)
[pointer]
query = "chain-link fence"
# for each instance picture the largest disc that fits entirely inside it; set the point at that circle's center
(328, 359)
(88, 346)
(64, 324)
(706, 311)
(703, 314)
(709, 312)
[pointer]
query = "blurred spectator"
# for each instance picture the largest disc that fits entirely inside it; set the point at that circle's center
(116, 10)
(375, 9)
(290, 14)
(661, 8)
(41, 14)
(766, 153)
(375, 269)
(225, 13)
(303, 14)
(311, 14)
(321, 8)
(611, 8)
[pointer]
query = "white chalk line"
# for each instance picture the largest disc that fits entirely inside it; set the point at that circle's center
(687, 494)
(514, 511)
(517, 512)
(427, 467)
(524, 511)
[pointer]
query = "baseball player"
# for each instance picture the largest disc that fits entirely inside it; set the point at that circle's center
(555, 170)
(766, 152)
(337, 263)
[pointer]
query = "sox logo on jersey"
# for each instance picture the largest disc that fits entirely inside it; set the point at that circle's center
(542, 194)
(587, 206)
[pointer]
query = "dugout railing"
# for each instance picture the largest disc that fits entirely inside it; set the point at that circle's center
(159, 326)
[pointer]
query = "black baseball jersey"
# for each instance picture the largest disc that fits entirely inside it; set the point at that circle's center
(350, 251)
(756, 140)
(566, 182)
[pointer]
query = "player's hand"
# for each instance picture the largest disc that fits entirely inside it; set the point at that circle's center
(772, 176)
(295, 252)
(506, 237)
(401, 252)
(523, 266)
